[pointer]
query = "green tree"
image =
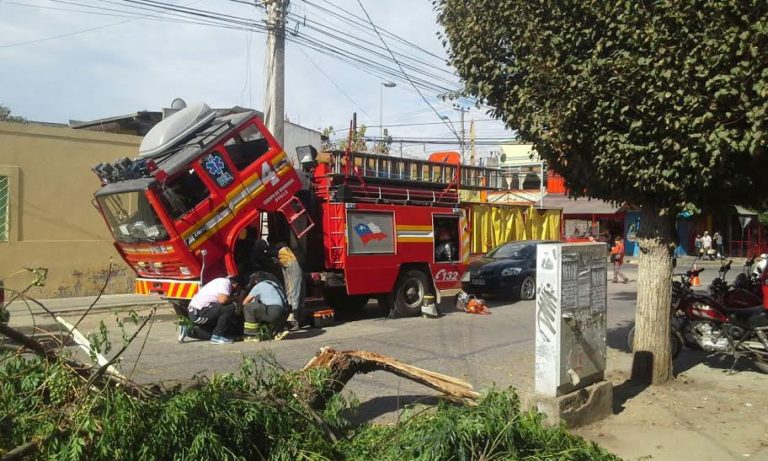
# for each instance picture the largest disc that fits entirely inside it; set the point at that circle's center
(325, 137)
(5, 115)
(385, 145)
(660, 103)
(358, 140)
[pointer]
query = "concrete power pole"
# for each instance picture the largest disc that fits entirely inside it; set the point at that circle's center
(472, 142)
(462, 142)
(274, 96)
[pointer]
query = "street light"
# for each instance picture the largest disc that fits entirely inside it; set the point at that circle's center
(381, 109)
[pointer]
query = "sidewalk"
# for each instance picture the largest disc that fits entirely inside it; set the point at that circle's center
(61, 305)
(685, 262)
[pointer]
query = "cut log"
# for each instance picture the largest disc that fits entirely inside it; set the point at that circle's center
(346, 364)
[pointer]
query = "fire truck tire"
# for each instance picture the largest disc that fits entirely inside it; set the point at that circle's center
(338, 299)
(410, 289)
(180, 306)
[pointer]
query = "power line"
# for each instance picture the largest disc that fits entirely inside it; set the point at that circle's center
(341, 90)
(401, 68)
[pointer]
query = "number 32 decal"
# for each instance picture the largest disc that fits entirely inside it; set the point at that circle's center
(446, 276)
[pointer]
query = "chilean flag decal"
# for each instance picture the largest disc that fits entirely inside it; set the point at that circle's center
(368, 232)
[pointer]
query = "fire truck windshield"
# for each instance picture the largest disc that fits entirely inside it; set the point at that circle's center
(131, 218)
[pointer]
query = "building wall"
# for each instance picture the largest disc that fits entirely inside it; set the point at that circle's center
(52, 223)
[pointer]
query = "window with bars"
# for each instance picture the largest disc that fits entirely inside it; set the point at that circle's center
(4, 211)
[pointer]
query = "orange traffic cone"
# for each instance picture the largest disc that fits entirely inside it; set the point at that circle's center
(695, 282)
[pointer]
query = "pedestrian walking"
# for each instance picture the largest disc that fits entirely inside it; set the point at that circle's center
(212, 312)
(265, 305)
(719, 245)
(699, 245)
(617, 258)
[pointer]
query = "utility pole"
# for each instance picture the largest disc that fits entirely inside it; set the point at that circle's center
(462, 110)
(471, 142)
(274, 96)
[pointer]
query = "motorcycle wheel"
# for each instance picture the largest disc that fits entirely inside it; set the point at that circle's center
(675, 340)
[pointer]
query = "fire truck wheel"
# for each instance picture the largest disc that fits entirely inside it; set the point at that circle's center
(409, 292)
(338, 299)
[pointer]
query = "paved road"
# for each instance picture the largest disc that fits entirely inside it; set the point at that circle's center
(486, 350)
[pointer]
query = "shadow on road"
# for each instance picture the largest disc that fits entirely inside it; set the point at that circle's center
(624, 392)
(689, 358)
(304, 334)
(624, 296)
(378, 406)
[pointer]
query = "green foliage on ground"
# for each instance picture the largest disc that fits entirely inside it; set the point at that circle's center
(255, 414)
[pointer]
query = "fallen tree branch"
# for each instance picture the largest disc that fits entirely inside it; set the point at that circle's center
(22, 450)
(345, 364)
(106, 366)
(85, 371)
(85, 345)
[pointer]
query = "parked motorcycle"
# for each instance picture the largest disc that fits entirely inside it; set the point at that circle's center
(701, 322)
(744, 293)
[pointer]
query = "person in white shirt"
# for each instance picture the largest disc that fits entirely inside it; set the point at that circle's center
(706, 243)
(212, 311)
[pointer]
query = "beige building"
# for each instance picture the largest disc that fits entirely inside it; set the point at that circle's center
(46, 216)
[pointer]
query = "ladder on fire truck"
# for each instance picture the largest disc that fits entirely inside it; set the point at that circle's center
(379, 178)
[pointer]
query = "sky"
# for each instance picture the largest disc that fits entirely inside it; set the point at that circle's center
(88, 59)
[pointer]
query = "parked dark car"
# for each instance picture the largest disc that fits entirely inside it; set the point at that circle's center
(509, 269)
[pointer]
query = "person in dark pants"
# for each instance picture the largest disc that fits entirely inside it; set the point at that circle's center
(266, 303)
(212, 312)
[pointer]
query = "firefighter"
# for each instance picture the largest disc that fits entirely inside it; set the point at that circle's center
(445, 249)
(266, 304)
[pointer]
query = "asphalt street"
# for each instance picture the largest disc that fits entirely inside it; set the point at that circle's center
(487, 350)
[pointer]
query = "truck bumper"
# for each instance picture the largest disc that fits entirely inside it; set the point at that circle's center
(173, 289)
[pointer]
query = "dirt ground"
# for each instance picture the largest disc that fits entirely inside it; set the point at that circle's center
(705, 414)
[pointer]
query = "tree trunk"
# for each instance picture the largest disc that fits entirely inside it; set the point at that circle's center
(652, 362)
(343, 365)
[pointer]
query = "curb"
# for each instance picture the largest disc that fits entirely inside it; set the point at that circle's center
(63, 305)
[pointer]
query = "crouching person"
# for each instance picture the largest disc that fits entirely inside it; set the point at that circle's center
(212, 312)
(265, 309)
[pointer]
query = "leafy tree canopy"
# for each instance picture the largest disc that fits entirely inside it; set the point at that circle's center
(662, 103)
(5, 115)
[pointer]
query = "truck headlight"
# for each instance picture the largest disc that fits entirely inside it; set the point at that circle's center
(511, 271)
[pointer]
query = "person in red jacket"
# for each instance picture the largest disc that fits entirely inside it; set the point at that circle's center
(617, 258)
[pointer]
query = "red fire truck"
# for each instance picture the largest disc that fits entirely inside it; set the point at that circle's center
(207, 184)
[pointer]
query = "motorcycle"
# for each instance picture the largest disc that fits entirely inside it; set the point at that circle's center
(743, 293)
(701, 322)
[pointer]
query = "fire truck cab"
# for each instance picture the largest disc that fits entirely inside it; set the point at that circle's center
(207, 185)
